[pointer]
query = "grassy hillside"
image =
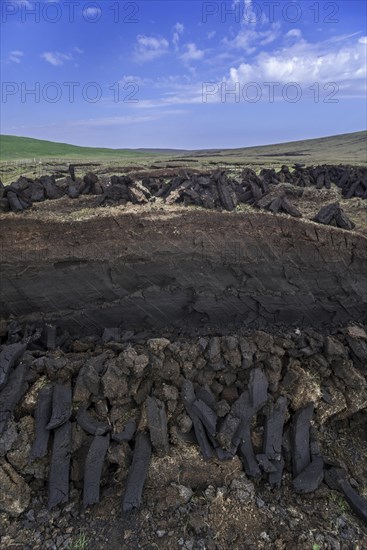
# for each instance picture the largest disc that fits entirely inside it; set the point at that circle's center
(344, 148)
(19, 148)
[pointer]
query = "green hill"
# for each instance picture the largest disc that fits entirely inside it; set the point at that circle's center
(344, 148)
(22, 148)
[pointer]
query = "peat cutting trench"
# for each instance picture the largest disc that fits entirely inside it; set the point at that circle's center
(183, 363)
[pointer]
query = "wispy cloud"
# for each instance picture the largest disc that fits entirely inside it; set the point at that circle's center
(148, 48)
(58, 58)
(192, 53)
(248, 39)
(16, 56)
(294, 33)
(178, 31)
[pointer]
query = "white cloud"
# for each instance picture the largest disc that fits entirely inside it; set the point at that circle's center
(192, 53)
(16, 56)
(306, 63)
(178, 30)
(56, 58)
(363, 40)
(149, 47)
(249, 39)
(294, 33)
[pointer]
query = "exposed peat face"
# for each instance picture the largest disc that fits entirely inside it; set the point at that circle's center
(168, 352)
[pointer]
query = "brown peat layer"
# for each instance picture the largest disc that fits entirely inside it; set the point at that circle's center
(149, 267)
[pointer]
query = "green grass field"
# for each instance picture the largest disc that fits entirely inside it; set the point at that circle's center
(341, 148)
(22, 148)
(33, 157)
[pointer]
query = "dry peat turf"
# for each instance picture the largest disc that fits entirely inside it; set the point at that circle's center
(183, 362)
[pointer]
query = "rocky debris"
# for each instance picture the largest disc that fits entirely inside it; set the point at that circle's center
(265, 464)
(72, 171)
(236, 415)
(215, 190)
(90, 424)
(137, 473)
(357, 341)
(11, 394)
(127, 433)
(233, 426)
(42, 417)
(258, 388)
(61, 406)
(9, 436)
(279, 205)
(48, 336)
(138, 194)
(9, 356)
(301, 425)
(311, 477)
(206, 415)
(275, 477)
(332, 214)
(90, 185)
(87, 384)
(336, 478)
(188, 397)
(116, 192)
(226, 194)
(247, 455)
(114, 382)
(58, 484)
(157, 422)
(275, 418)
(93, 469)
(308, 464)
(15, 494)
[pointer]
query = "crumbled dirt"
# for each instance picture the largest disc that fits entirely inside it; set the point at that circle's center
(125, 268)
(187, 502)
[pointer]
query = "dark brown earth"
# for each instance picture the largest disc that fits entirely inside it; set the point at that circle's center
(187, 502)
(176, 283)
(195, 269)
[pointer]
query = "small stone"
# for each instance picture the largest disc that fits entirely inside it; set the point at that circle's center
(184, 423)
(15, 494)
(185, 492)
(8, 437)
(157, 345)
(222, 408)
(260, 503)
(170, 392)
(210, 492)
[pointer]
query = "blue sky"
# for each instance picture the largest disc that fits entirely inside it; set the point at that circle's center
(182, 74)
